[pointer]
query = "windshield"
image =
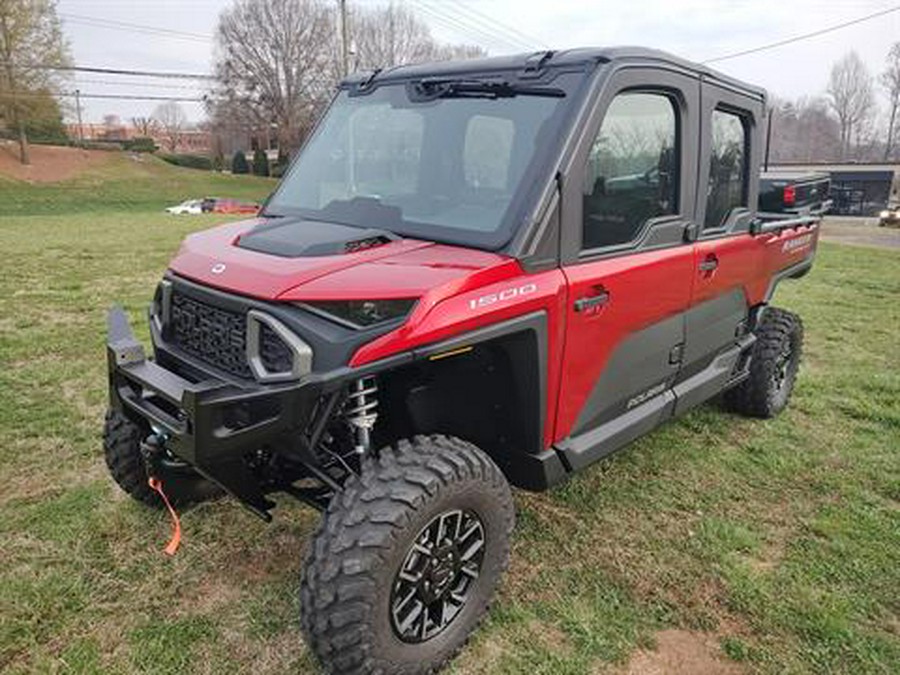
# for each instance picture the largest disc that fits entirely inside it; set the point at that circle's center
(452, 168)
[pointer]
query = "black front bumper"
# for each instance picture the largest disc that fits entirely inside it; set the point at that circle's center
(212, 423)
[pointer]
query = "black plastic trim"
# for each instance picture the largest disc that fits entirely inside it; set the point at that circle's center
(535, 468)
(793, 272)
(584, 449)
(332, 344)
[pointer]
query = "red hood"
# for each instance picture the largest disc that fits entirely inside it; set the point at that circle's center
(403, 268)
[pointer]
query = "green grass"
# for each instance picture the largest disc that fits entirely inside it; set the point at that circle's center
(780, 538)
(125, 182)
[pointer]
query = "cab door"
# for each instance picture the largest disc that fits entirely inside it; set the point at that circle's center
(627, 204)
(727, 257)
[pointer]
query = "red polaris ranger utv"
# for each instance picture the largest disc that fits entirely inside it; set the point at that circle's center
(475, 274)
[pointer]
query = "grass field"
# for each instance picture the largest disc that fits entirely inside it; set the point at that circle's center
(122, 181)
(777, 543)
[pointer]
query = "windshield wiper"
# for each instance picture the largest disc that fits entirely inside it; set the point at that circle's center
(435, 87)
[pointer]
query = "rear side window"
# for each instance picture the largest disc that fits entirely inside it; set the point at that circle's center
(727, 168)
(632, 171)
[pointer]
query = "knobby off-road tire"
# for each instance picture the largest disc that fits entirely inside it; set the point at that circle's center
(122, 449)
(391, 519)
(774, 364)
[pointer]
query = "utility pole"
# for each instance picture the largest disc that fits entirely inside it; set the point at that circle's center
(78, 108)
(345, 38)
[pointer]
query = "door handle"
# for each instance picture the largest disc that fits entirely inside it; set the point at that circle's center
(709, 264)
(591, 302)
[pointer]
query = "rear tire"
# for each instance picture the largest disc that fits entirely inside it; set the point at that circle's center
(406, 559)
(774, 363)
(122, 449)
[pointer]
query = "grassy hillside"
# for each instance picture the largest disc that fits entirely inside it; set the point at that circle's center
(125, 182)
(775, 543)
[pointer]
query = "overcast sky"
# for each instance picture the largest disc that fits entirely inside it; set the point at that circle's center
(694, 29)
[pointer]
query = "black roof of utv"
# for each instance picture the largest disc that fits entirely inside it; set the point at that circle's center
(530, 65)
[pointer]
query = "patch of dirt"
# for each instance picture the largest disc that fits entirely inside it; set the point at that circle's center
(209, 596)
(681, 652)
(49, 164)
(860, 232)
(551, 637)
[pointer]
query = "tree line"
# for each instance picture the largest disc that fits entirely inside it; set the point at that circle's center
(276, 64)
(845, 123)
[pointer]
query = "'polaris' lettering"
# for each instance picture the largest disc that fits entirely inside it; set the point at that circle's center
(650, 393)
(502, 296)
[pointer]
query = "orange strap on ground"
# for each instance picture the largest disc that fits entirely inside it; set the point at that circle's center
(170, 549)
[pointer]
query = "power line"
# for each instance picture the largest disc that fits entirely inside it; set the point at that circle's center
(115, 71)
(131, 97)
(461, 15)
(507, 28)
(118, 97)
(99, 22)
(805, 36)
(134, 83)
(461, 28)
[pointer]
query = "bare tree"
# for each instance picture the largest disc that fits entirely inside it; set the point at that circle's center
(30, 39)
(145, 126)
(276, 63)
(394, 35)
(459, 52)
(890, 80)
(172, 122)
(804, 131)
(851, 98)
(390, 35)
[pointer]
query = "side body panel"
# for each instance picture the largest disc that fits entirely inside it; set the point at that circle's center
(438, 319)
(622, 350)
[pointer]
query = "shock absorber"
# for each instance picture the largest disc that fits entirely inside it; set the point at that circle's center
(361, 412)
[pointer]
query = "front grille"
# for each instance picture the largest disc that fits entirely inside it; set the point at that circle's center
(218, 337)
(213, 335)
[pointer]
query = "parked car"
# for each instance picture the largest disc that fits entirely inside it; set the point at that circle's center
(889, 217)
(191, 206)
(474, 284)
(234, 206)
(781, 192)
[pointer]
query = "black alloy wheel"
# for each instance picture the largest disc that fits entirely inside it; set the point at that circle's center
(436, 577)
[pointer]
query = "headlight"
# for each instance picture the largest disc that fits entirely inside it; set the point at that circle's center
(362, 313)
(885, 214)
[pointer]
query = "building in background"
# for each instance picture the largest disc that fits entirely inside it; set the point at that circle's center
(191, 141)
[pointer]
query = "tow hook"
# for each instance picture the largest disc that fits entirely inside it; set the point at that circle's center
(153, 448)
(152, 451)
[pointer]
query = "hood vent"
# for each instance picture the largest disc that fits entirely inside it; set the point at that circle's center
(365, 244)
(299, 238)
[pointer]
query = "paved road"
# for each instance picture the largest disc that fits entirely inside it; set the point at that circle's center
(860, 232)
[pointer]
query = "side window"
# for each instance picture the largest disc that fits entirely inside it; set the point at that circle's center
(727, 167)
(632, 169)
(487, 152)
